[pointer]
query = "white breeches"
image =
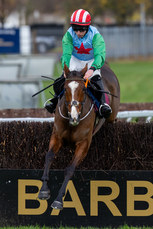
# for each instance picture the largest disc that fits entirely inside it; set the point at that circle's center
(78, 65)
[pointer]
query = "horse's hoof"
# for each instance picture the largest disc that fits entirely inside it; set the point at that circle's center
(57, 205)
(44, 195)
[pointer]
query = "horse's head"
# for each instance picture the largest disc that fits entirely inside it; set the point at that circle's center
(74, 94)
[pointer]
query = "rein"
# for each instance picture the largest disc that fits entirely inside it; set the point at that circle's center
(87, 113)
(89, 82)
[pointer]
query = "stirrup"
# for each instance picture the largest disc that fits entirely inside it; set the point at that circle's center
(105, 110)
(47, 101)
(50, 107)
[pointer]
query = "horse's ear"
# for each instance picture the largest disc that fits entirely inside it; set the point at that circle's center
(84, 70)
(66, 70)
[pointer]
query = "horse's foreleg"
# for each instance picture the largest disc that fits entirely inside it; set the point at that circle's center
(44, 192)
(80, 153)
(54, 147)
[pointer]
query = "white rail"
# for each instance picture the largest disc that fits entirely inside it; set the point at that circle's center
(27, 119)
(128, 115)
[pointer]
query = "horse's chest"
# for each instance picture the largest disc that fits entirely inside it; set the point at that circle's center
(72, 136)
(69, 136)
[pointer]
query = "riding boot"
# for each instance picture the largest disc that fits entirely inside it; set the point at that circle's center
(52, 105)
(58, 87)
(104, 109)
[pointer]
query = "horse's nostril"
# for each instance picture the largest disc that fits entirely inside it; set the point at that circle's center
(73, 122)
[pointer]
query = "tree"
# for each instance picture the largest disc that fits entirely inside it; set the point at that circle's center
(93, 6)
(121, 9)
(149, 8)
(2, 12)
(8, 6)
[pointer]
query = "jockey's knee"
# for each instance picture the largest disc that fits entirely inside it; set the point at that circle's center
(96, 78)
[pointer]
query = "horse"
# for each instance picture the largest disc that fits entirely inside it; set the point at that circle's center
(74, 125)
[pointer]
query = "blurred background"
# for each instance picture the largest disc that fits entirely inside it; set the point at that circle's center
(31, 46)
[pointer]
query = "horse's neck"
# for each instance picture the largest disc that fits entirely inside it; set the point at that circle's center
(87, 104)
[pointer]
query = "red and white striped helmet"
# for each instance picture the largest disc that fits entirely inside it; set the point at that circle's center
(80, 17)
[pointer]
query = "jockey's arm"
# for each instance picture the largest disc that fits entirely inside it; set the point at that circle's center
(67, 45)
(99, 51)
(99, 55)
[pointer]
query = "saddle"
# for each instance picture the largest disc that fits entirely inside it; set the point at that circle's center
(95, 97)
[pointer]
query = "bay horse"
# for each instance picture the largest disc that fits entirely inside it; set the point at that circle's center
(74, 125)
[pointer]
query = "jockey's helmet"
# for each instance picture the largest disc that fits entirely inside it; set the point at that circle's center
(80, 17)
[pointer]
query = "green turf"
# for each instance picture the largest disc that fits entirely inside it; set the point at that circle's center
(136, 80)
(37, 227)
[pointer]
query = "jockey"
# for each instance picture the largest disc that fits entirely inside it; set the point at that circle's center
(83, 44)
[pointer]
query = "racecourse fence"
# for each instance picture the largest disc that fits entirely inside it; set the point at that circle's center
(25, 79)
(121, 41)
(117, 170)
(128, 41)
(117, 146)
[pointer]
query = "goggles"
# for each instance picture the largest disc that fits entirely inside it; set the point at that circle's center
(79, 28)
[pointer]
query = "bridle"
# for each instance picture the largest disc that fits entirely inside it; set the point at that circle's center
(76, 104)
(67, 117)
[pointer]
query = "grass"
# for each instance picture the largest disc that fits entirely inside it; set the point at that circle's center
(136, 80)
(37, 227)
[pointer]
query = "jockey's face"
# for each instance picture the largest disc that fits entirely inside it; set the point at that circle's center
(80, 34)
(79, 30)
